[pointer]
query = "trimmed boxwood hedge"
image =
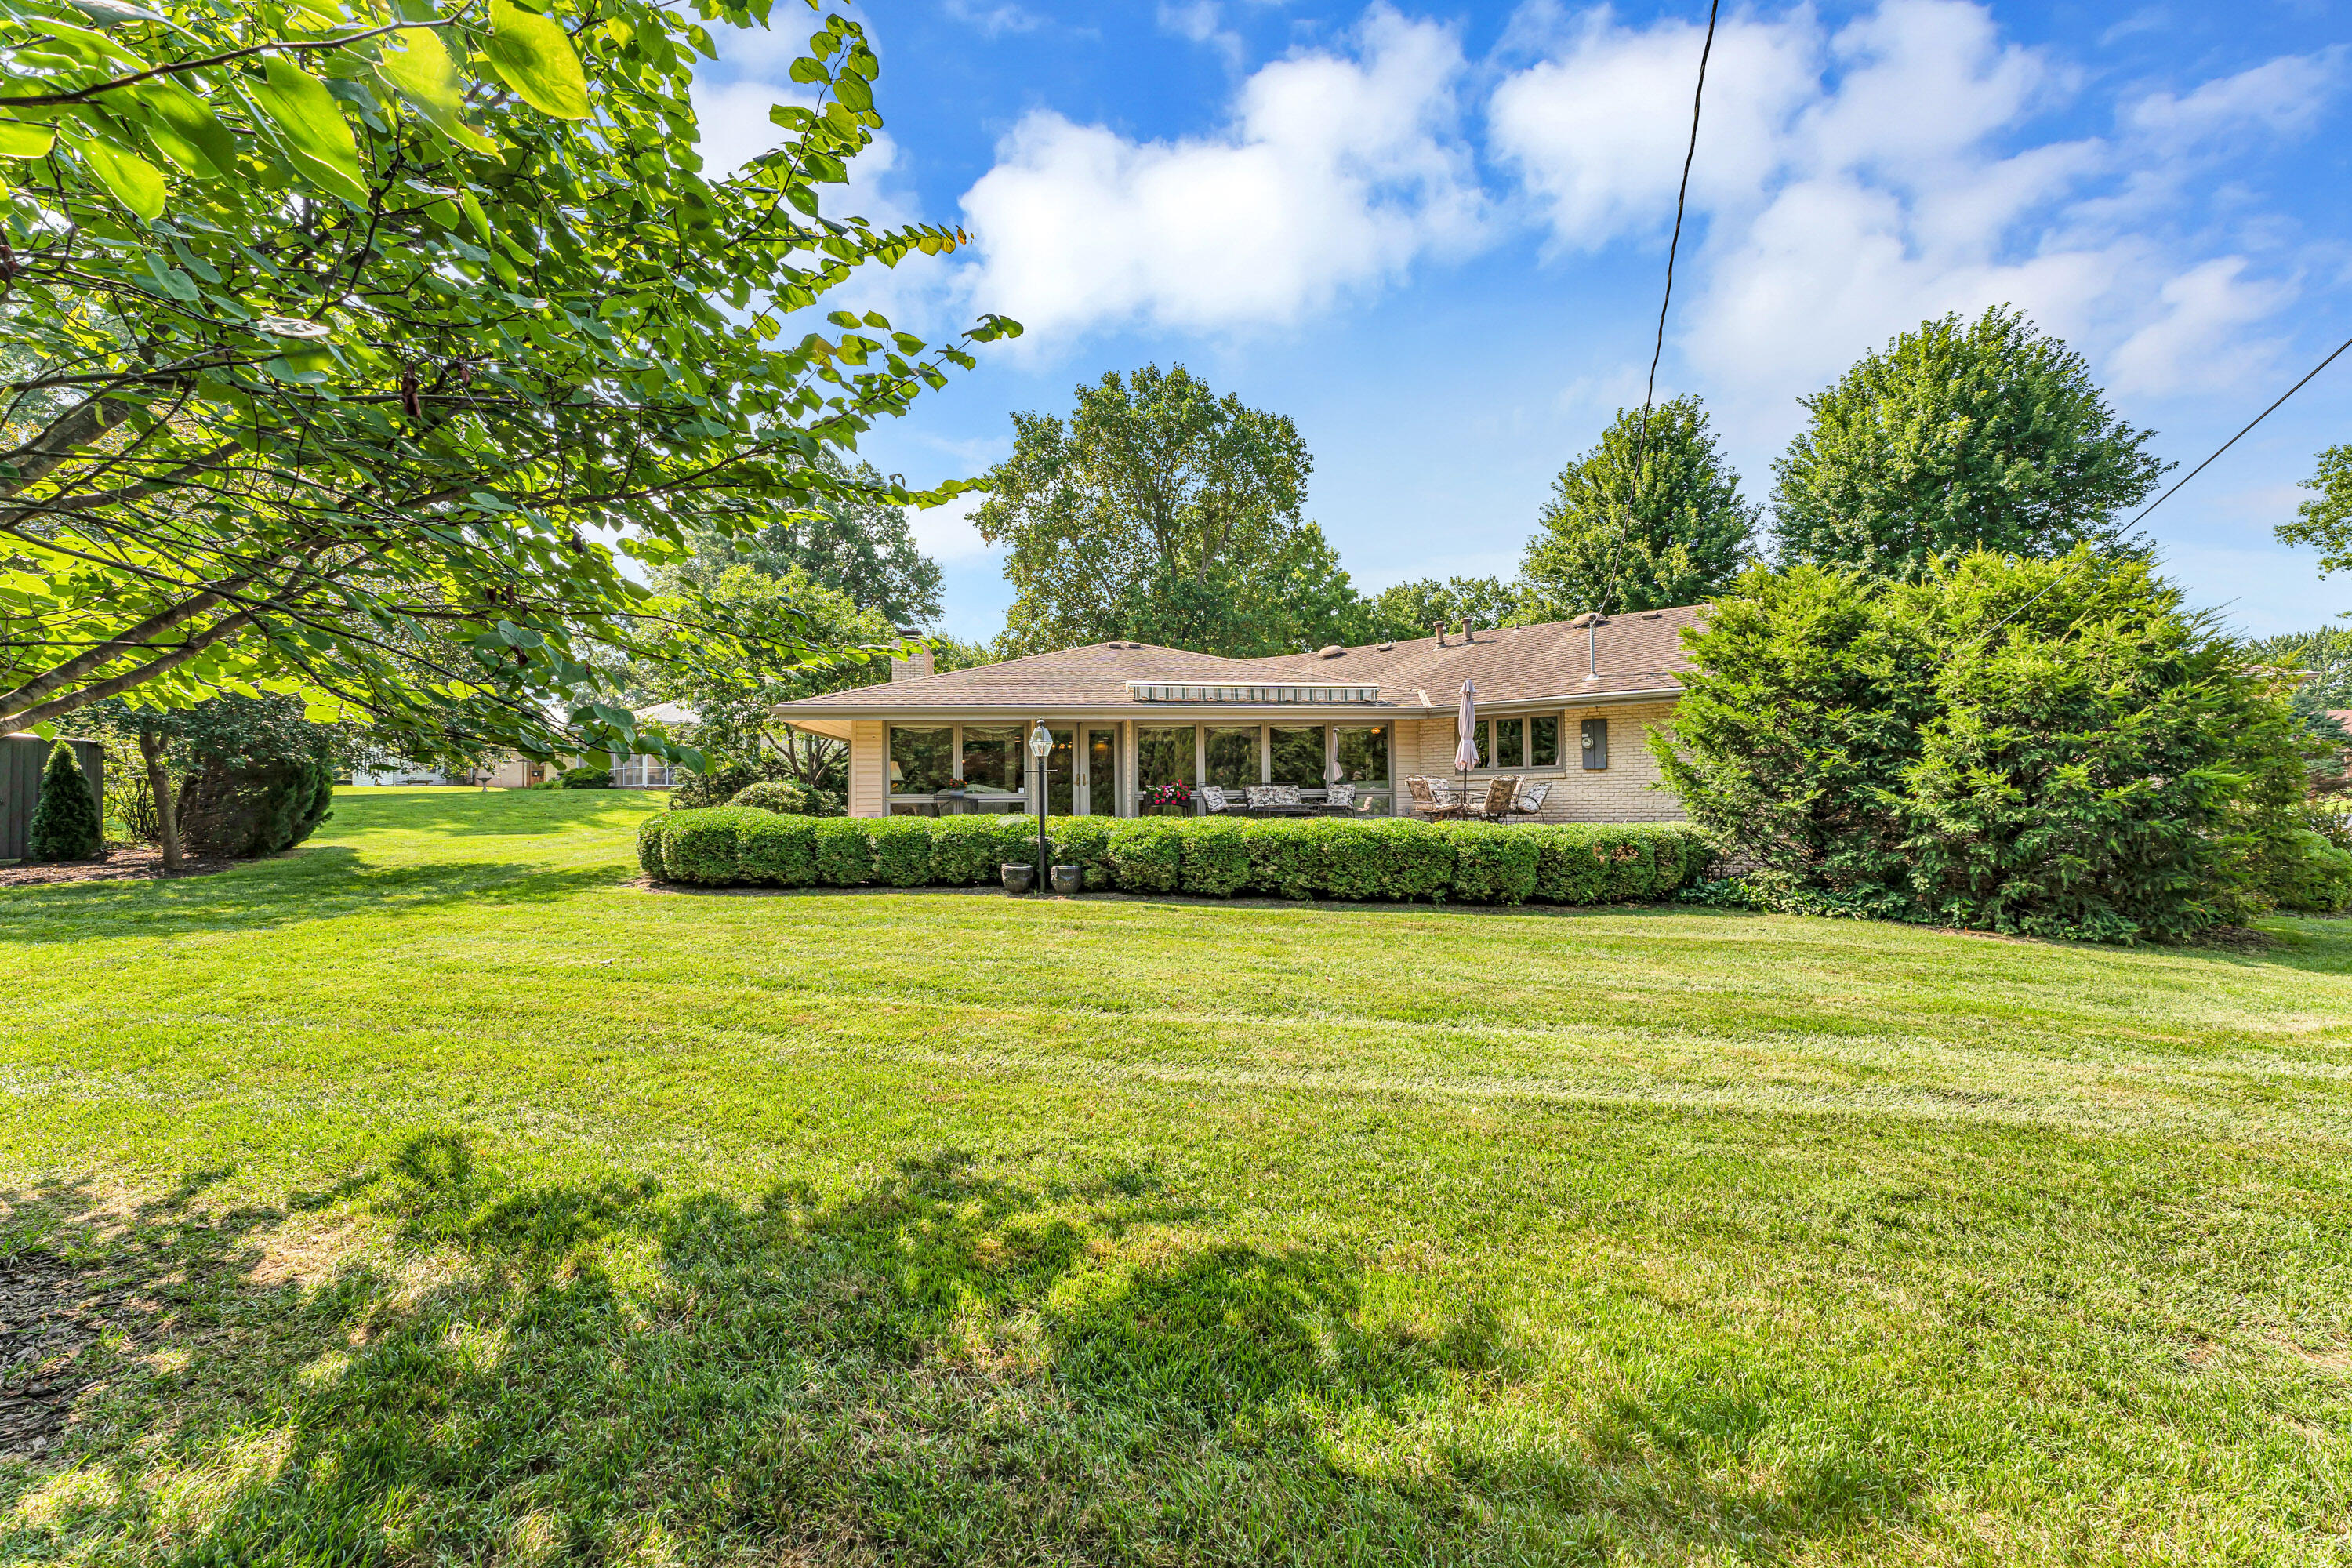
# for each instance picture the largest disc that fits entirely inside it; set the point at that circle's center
(1331, 858)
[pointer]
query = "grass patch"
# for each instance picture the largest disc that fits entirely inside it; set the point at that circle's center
(434, 1193)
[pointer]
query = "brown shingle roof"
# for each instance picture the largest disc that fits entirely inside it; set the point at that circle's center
(1633, 652)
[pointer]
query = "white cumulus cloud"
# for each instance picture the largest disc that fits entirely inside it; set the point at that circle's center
(1337, 172)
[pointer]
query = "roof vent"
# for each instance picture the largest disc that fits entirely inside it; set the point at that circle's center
(1585, 619)
(1651, 615)
(1329, 650)
(1386, 645)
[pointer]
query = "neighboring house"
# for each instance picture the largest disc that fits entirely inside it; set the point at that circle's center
(512, 771)
(1567, 703)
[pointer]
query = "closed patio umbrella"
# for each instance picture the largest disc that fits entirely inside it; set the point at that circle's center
(1465, 749)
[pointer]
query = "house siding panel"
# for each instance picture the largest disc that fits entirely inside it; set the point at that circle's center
(868, 773)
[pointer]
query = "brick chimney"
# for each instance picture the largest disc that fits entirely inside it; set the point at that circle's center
(913, 668)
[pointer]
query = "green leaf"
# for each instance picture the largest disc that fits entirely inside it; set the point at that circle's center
(136, 183)
(316, 135)
(182, 126)
(170, 279)
(18, 140)
(416, 65)
(853, 90)
(532, 56)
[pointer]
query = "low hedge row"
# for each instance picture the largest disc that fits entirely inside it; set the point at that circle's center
(1329, 858)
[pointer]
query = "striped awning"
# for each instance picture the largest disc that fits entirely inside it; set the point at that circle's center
(1253, 691)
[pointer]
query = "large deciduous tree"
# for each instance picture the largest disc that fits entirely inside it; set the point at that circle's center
(336, 340)
(1612, 539)
(1958, 437)
(1163, 512)
(2326, 519)
(860, 547)
(1416, 608)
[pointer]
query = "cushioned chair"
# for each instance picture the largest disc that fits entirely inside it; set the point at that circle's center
(1339, 800)
(1502, 795)
(1217, 800)
(1434, 797)
(1531, 800)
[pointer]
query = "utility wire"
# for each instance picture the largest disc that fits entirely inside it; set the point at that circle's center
(2115, 533)
(1650, 394)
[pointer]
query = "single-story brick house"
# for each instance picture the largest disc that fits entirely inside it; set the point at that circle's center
(1568, 703)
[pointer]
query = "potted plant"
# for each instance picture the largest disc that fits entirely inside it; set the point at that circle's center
(1168, 799)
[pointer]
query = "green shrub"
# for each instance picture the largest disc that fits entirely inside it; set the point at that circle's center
(722, 785)
(780, 795)
(1016, 842)
(1214, 860)
(2049, 747)
(1084, 842)
(1349, 858)
(902, 849)
(650, 844)
(66, 823)
(1569, 866)
(1148, 854)
(2307, 871)
(234, 808)
(1411, 860)
(844, 851)
(774, 850)
(1492, 863)
(584, 777)
(963, 851)
(700, 847)
(1289, 859)
(1629, 867)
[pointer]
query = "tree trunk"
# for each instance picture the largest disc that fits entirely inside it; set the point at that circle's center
(159, 783)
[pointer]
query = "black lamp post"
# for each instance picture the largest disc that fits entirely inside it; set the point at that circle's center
(1040, 746)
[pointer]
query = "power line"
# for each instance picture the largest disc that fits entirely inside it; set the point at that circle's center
(1650, 394)
(2115, 533)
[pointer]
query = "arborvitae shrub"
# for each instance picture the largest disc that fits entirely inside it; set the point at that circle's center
(649, 846)
(66, 823)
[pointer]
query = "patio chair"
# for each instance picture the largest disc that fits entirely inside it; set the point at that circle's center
(1274, 800)
(1502, 793)
(1214, 800)
(1530, 800)
(1426, 801)
(1339, 800)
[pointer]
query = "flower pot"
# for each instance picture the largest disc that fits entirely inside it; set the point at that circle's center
(1018, 878)
(1067, 879)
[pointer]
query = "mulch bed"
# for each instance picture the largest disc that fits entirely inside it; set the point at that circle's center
(50, 1312)
(127, 863)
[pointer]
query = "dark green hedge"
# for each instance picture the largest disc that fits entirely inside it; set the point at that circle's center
(1340, 858)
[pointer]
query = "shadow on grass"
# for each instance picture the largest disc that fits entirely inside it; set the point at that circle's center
(939, 1367)
(317, 882)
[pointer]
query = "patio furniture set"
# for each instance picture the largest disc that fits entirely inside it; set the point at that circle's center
(1439, 799)
(1277, 800)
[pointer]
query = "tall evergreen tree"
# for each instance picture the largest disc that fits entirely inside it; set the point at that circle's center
(1957, 437)
(1612, 540)
(66, 823)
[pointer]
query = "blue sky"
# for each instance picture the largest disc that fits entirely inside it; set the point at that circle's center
(1435, 235)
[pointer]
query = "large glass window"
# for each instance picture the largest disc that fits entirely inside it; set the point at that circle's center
(1233, 758)
(1364, 757)
(1163, 754)
(1059, 779)
(1543, 742)
(994, 756)
(1296, 756)
(1510, 743)
(920, 760)
(1102, 773)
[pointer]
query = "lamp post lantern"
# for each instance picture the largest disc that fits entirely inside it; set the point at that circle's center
(1040, 746)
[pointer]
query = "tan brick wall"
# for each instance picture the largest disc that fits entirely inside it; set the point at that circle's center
(1627, 790)
(868, 773)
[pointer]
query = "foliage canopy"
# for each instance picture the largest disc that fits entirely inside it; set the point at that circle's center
(338, 338)
(2105, 765)
(1612, 541)
(1987, 436)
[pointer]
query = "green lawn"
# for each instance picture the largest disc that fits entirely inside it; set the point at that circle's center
(452, 1199)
